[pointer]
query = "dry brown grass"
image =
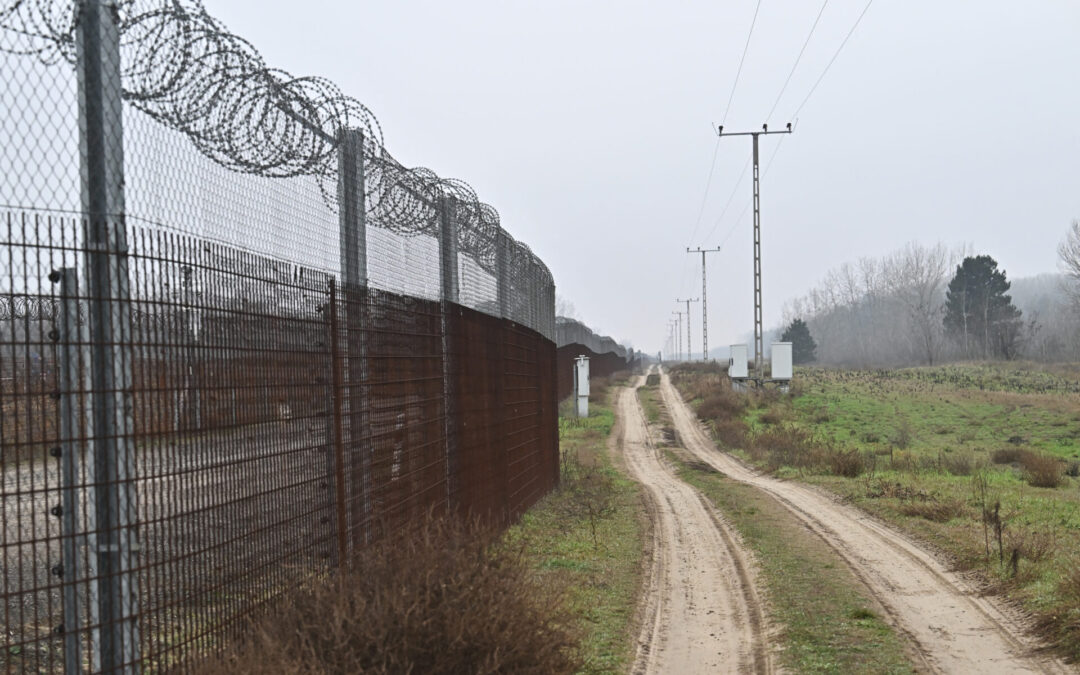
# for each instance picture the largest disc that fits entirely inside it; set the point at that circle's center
(1042, 470)
(939, 511)
(445, 599)
(721, 405)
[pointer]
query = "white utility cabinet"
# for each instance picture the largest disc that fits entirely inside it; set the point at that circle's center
(581, 385)
(781, 360)
(737, 363)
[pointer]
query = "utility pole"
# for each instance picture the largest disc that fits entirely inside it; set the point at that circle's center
(678, 334)
(759, 351)
(689, 351)
(704, 305)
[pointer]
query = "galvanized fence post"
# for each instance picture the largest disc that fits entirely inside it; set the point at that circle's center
(352, 225)
(337, 420)
(71, 341)
(502, 266)
(110, 330)
(450, 296)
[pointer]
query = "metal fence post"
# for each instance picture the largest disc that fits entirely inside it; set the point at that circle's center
(110, 330)
(337, 420)
(502, 265)
(352, 226)
(450, 285)
(72, 340)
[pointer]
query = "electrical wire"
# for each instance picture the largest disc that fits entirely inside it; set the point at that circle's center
(833, 59)
(731, 97)
(742, 60)
(780, 143)
(797, 60)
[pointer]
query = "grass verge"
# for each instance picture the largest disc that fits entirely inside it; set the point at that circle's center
(829, 624)
(587, 538)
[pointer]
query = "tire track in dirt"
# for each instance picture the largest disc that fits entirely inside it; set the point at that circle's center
(954, 630)
(702, 613)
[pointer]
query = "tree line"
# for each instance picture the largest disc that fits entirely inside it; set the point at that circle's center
(926, 304)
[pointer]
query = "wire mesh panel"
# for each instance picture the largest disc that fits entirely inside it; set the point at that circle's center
(238, 339)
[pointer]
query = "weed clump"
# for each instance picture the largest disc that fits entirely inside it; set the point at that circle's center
(957, 464)
(445, 598)
(934, 510)
(721, 405)
(1042, 470)
(1007, 456)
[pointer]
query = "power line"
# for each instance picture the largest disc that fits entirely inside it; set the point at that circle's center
(746, 166)
(742, 60)
(833, 59)
(731, 198)
(772, 157)
(797, 60)
(708, 186)
(731, 97)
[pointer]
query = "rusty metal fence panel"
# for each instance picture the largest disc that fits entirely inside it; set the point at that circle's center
(238, 339)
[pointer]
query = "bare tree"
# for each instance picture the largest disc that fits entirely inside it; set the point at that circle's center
(916, 277)
(1069, 252)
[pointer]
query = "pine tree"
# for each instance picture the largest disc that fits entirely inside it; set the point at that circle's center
(803, 347)
(979, 313)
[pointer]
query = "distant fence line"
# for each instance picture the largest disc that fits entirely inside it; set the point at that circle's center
(574, 339)
(238, 339)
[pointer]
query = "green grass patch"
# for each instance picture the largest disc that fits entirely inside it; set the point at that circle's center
(586, 537)
(975, 459)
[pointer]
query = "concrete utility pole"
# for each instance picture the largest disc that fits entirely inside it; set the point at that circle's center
(689, 351)
(678, 334)
(704, 305)
(759, 352)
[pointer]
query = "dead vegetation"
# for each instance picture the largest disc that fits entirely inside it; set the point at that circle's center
(445, 598)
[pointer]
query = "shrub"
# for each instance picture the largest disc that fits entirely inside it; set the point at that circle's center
(652, 380)
(788, 446)
(445, 599)
(1073, 469)
(903, 436)
(1042, 470)
(771, 417)
(1007, 456)
(958, 464)
(721, 405)
(847, 463)
(730, 432)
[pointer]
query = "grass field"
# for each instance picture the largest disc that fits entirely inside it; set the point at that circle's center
(828, 623)
(980, 461)
(587, 538)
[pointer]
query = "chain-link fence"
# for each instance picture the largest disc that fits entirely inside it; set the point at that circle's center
(237, 338)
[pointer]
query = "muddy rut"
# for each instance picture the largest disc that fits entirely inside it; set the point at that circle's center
(702, 613)
(952, 628)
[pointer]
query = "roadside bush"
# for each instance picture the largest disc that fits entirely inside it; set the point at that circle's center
(788, 446)
(1042, 470)
(721, 405)
(730, 432)
(847, 463)
(445, 599)
(652, 380)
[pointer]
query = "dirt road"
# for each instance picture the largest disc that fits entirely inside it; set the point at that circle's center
(702, 612)
(953, 629)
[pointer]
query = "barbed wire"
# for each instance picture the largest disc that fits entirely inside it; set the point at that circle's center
(183, 68)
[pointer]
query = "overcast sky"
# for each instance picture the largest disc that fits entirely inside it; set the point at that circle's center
(588, 125)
